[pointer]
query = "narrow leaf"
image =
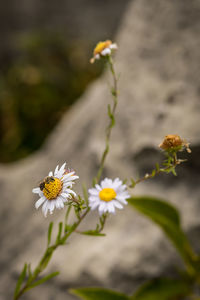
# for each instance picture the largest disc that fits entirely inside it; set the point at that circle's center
(49, 233)
(157, 167)
(20, 280)
(41, 281)
(85, 194)
(60, 227)
(98, 294)
(46, 259)
(162, 289)
(167, 217)
(92, 232)
(67, 216)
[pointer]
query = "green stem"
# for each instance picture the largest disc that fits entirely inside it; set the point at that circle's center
(47, 255)
(156, 172)
(111, 115)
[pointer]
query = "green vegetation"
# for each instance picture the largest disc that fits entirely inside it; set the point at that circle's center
(47, 77)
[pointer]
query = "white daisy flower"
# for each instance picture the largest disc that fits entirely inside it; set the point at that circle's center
(103, 49)
(55, 189)
(107, 196)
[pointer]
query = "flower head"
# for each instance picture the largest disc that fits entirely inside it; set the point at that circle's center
(103, 49)
(55, 189)
(173, 142)
(108, 195)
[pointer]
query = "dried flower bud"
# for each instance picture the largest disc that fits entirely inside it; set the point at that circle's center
(174, 142)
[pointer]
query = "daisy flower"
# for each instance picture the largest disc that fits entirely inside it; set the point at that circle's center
(55, 189)
(103, 49)
(108, 195)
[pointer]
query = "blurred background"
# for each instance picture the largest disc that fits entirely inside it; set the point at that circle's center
(44, 64)
(53, 109)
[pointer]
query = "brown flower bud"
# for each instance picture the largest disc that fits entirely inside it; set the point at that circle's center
(174, 142)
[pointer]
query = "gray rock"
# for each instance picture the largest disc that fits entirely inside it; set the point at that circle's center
(158, 60)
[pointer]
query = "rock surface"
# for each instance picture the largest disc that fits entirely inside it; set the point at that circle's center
(158, 60)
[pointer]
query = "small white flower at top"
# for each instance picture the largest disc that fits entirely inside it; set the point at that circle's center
(103, 49)
(55, 189)
(108, 195)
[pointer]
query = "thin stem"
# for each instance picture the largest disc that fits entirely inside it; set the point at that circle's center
(111, 115)
(47, 255)
(156, 172)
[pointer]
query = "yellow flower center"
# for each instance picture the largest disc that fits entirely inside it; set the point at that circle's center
(52, 187)
(107, 194)
(101, 46)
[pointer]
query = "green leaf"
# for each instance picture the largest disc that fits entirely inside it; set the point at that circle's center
(132, 183)
(162, 289)
(46, 258)
(49, 233)
(67, 216)
(156, 209)
(167, 217)
(85, 193)
(94, 182)
(157, 167)
(98, 294)
(60, 227)
(20, 280)
(41, 281)
(92, 232)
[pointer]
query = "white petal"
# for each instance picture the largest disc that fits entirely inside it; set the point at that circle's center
(39, 202)
(102, 206)
(93, 198)
(63, 199)
(106, 51)
(93, 192)
(58, 203)
(51, 206)
(61, 171)
(111, 208)
(97, 56)
(113, 46)
(97, 186)
(117, 184)
(70, 192)
(117, 204)
(56, 170)
(45, 208)
(51, 173)
(121, 199)
(36, 190)
(64, 195)
(107, 183)
(69, 177)
(93, 205)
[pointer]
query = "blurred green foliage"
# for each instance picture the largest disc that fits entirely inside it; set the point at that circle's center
(50, 73)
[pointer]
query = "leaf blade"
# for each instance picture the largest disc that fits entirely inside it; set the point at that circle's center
(167, 217)
(20, 280)
(98, 294)
(162, 288)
